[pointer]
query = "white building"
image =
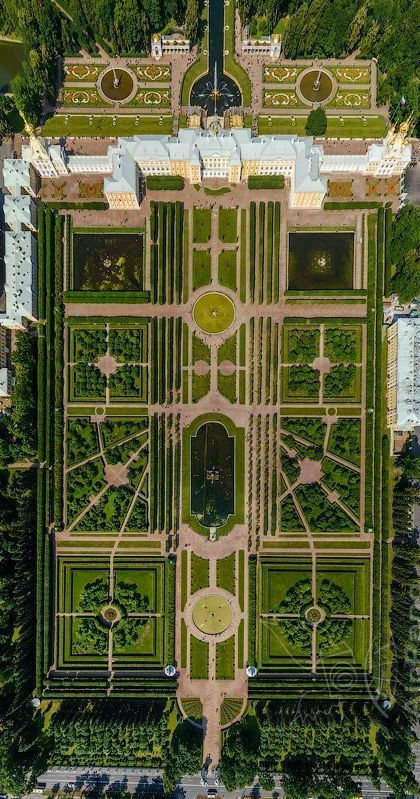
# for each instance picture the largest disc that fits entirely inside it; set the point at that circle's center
(174, 44)
(403, 375)
(265, 45)
(233, 155)
(20, 256)
(5, 372)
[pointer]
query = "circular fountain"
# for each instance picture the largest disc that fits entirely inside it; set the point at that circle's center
(316, 86)
(117, 84)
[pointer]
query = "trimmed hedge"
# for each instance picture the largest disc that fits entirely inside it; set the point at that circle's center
(165, 183)
(98, 205)
(337, 206)
(252, 610)
(266, 182)
(112, 297)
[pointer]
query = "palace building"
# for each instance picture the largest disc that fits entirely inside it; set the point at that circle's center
(194, 154)
(403, 374)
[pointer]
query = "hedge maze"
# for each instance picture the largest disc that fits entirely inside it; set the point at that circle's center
(287, 523)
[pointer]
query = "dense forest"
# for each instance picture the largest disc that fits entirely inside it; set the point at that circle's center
(119, 26)
(388, 30)
(404, 254)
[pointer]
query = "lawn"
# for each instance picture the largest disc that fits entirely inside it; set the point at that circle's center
(228, 225)
(201, 268)
(225, 574)
(199, 659)
(102, 125)
(201, 225)
(352, 127)
(227, 269)
(225, 659)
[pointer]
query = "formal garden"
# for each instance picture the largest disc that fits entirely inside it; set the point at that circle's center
(309, 620)
(113, 611)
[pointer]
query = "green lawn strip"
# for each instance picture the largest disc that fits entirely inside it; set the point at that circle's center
(200, 386)
(102, 125)
(241, 633)
(217, 192)
(184, 644)
(266, 182)
(352, 127)
(199, 573)
(199, 659)
(261, 251)
(201, 225)
(187, 252)
(241, 578)
(228, 350)
(252, 610)
(226, 385)
(227, 268)
(200, 351)
(201, 268)
(225, 659)
(276, 251)
(228, 225)
(252, 243)
(184, 578)
(225, 574)
(243, 249)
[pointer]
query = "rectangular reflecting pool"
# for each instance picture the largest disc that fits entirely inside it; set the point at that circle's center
(108, 260)
(320, 261)
(212, 474)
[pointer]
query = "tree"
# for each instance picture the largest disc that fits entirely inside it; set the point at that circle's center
(27, 96)
(316, 124)
(239, 762)
(192, 19)
(405, 253)
(6, 107)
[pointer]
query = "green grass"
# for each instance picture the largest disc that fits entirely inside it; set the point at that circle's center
(225, 659)
(227, 269)
(214, 312)
(201, 268)
(352, 128)
(78, 125)
(228, 225)
(199, 659)
(266, 182)
(201, 225)
(216, 192)
(199, 573)
(226, 573)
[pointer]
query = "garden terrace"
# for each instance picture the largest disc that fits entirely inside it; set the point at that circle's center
(282, 520)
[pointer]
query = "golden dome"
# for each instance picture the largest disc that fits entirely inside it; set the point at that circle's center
(155, 37)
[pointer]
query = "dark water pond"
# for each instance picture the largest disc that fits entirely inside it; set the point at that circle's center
(11, 58)
(212, 474)
(108, 261)
(320, 261)
(216, 91)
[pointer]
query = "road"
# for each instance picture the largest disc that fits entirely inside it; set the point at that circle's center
(150, 781)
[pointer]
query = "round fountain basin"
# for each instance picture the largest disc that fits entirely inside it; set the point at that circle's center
(124, 81)
(316, 86)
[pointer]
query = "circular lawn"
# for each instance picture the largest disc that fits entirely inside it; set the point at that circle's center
(214, 312)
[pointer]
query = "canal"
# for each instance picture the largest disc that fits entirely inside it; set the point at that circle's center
(215, 91)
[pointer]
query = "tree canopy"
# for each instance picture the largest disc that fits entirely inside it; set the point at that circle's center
(388, 30)
(405, 253)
